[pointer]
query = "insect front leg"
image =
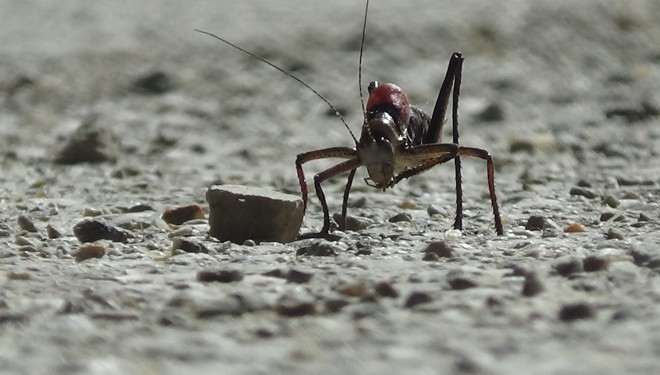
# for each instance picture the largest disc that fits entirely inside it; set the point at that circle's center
(333, 152)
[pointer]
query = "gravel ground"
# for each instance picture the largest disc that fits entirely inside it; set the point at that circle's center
(563, 94)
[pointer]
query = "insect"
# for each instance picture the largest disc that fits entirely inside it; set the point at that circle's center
(397, 141)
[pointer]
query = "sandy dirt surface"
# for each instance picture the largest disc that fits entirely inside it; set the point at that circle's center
(564, 94)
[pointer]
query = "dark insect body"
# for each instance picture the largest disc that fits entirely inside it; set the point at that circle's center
(398, 141)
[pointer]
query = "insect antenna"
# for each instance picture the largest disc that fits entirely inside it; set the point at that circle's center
(364, 29)
(336, 111)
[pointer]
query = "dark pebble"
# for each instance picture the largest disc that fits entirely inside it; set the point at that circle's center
(627, 181)
(532, 285)
(611, 201)
(220, 275)
(153, 83)
(583, 192)
(26, 224)
(461, 283)
(614, 234)
(53, 232)
(385, 289)
(298, 276)
(404, 216)
(140, 207)
(521, 145)
(89, 251)
(114, 316)
(594, 263)
(605, 216)
(335, 305)
(640, 255)
(180, 215)
(535, 222)
(430, 257)
(654, 263)
(94, 230)
(575, 311)
(417, 298)
(189, 246)
(439, 249)
(319, 248)
(295, 306)
(433, 210)
(277, 272)
(493, 112)
(643, 217)
(352, 223)
(568, 266)
(12, 318)
(92, 142)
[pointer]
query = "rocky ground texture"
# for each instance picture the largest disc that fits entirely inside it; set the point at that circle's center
(111, 115)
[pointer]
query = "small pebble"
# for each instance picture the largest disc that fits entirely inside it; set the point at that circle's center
(535, 222)
(401, 217)
(92, 142)
(595, 263)
(26, 224)
(53, 232)
(614, 234)
(611, 201)
(575, 311)
(335, 305)
(354, 289)
(249, 243)
(461, 283)
(188, 246)
(19, 276)
(643, 217)
(180, 215)
(92, 212)
(408, 204)
(296, 303)
(140, 207)
(491, 113)
(521, 145)
(298, 276)
(23, 241)
(532, 285)
(319, 248)
(605, 216)
(584, 192)
(222, 275)
(89, 251)
(430, 257)
(568, 266)
(433, 210)
(385, 289)
(641, 255)
(353, 223)
(417, 298)
(153, 83)
(93, 230)
(574, 228)
(632, 195)
(439, 249)
(277, 272)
